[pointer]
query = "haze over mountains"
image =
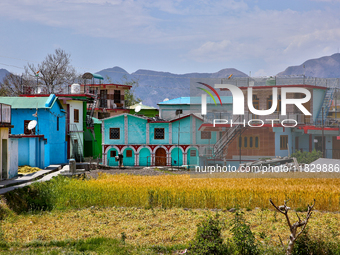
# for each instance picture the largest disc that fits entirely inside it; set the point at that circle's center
(155, 86)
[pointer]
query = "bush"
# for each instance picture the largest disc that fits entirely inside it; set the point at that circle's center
(208, 238)
(243, 239)
(307, 157)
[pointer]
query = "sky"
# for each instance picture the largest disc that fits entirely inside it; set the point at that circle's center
(260, 38)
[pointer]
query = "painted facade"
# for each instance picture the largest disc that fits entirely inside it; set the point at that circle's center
(150, 142)
(51, 122)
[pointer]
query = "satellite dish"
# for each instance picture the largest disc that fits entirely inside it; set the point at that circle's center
(166, 99)
(32, 124)
(138, 108)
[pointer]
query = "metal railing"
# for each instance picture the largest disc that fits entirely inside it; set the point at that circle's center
(282, 81)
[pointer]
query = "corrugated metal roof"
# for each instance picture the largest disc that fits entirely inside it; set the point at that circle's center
(26, 102)
(196, 100)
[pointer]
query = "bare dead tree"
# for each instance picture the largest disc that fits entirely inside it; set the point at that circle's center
(54, 73)
(12, 85)
(294, 234)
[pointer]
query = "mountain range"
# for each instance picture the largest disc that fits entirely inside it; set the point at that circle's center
(154, 86)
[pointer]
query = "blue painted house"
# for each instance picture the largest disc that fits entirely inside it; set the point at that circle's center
(45, 144)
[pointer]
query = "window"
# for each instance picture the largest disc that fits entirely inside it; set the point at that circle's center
(76, 115)
(248, 142)
(117, 97)
(205, 135)
(283, 142)
(192, 153)
(26, 130)
(115, 133)
(57, 123)
(128, 153)
(113, 154)
(159, 133)
(270, 102)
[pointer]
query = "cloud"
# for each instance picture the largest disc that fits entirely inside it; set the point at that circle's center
(203, 31)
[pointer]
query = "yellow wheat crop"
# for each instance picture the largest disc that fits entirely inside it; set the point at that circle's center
(182, 191)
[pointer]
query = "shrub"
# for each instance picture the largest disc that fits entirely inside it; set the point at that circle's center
(243, 239)
(208, 238)
(307, 157)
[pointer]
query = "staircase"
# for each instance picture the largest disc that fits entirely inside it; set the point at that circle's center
(92, 106)
(76, 142)
(226, 139)
(327, 102)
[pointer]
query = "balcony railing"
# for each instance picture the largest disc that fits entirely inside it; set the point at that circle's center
(5, 110)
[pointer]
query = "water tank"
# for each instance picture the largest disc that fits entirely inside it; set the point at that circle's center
(75, 88)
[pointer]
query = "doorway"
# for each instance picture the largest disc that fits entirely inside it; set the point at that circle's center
(160, 157)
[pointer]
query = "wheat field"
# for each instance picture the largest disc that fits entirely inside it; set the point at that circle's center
(181, 191)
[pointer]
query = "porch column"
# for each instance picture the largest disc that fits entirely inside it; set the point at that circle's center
(185, 158)
(152, 163)
(136, 159)
(168, 159)
(147, 134)
(193, 130)
(170, 133)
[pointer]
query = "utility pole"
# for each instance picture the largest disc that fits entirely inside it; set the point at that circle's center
(323, 146)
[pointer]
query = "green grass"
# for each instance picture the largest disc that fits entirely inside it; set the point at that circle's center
(99, 245)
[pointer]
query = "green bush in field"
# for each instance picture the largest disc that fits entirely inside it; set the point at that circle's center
(243, 239)
(307, 157)
(208, 238)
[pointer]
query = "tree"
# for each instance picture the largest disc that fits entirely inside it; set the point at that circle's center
(294, 233)
(54, 73)
(12, 85)
(129, 94)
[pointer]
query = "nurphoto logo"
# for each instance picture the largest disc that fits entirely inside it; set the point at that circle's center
(238, 104)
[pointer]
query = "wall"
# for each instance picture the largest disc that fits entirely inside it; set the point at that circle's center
(14, 159)
(152, 127)
(185, 130)
(32, 152)
(116, 122)
(136, 130)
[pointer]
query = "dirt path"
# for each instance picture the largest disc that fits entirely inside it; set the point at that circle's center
(143, 171)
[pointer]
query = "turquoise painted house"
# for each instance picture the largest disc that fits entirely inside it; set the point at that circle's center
(45, 144)
(153, 141)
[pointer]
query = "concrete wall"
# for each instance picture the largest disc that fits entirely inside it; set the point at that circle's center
(14, 159)
(31, 151)
(136, 130)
